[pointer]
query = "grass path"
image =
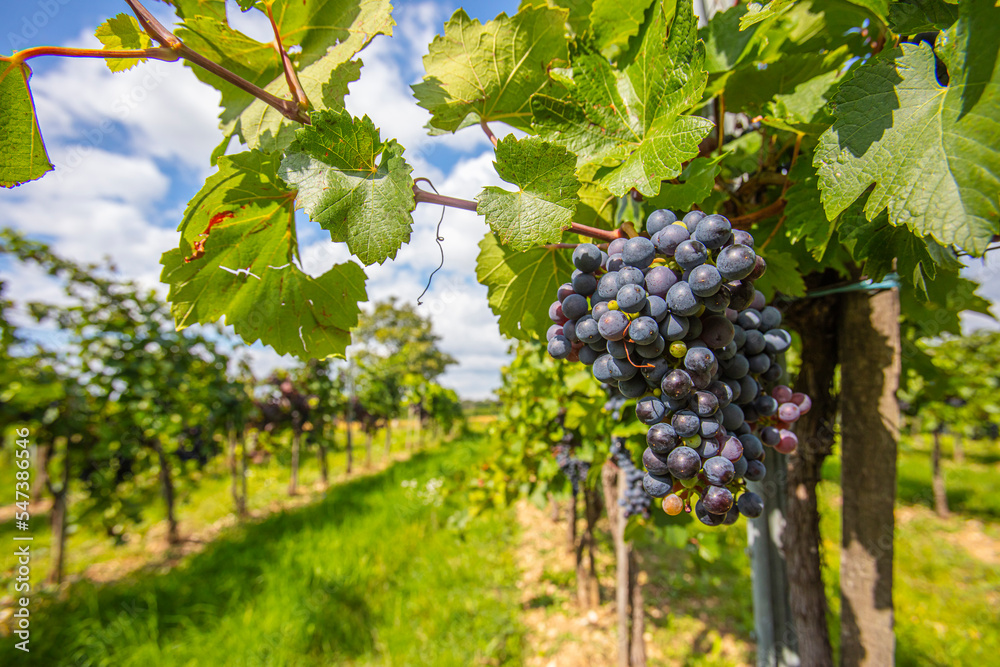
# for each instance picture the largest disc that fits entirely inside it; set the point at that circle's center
(374, 574)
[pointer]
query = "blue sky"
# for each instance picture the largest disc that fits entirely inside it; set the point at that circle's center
(131, 148)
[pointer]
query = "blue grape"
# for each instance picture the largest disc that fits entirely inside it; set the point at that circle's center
(681, 300)
(698, 359)
(773, 373)
(617, 349)
(638, 252)
(765, 405)
(705, 280)
(559, 347)
(718, 302)
(602, 369)
(759, 363)
(653, 350)
(674, 327)
(654, 463)
(686, 423)
(753, 448)
(770, 318)
(575, 307)
(621, 370)
(741, 294)
(588, 355)
(599, 309)
(707, 517)
(683, 462)
(754, 343)
(660, 367)
(708, 448)
(584, 284)
(718, 500)
(736, 262)
(719, 471)
(713, 231)
(659, 279)
(777, 341)
(662, 438)
(732, 448)
(743, 238)
(659, 219)
(677, 384)
(656, 308)
(612, 325)
(690, 254)
(554, 330)
(616, 246)
(587, 331)
(631, 298)
(564, 291)
(750, 505)
(630, 275)
(732, 416)
(633, 387)
(749, 389)
(667, 239)
(770, 436)
(740, 466)
(735, 368)
(643, 330)
(691, 220)
(704, 404)
(755, 471)
(615, 262)
(607, 286)
(650, 411)
(717, 331)
(657, 486)
(587, 257)
(759, 268)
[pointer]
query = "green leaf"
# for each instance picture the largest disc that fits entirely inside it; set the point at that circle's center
(614, 22)
(757, 12)
(793, 89)
(521, 285)
(909, 17)
(346, 187)
(237, 259)
(885, 248)
(804, 218)
(782, 276)
(935, 168)
(122, 32)
(325, 84)
(697, 183)
(596, 207)
(579, 11)
(23, 156)
(546, 198)
(491, 70)
(631, 122)
(726, 44)
(323, 29)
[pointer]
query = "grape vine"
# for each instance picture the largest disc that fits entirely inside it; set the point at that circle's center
(673, 319)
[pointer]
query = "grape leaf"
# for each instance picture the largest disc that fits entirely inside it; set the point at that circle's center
(23, 156)
(346, 188)
(804, 218)
(579, 12)
(631, 123)
(491, 70)
(521, 285)
(237, 259)
(697, 183)
(757, 12)
(726, 44)
(122, 32)
(885, 248)
(896, 127)
(909, 17)
(325, 84)
(793, 89)
(546, 198)
(782, 275)
(596, 207)
(614, 22)
(322, 29)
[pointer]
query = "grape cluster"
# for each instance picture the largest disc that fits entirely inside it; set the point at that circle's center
(635, 501)
(573, 468)
(674, 321)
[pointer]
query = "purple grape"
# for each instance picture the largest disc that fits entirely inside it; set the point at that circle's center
(683, 462)
(667, 239)
(659, 219)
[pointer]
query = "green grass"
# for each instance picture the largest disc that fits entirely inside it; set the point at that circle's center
(371, 575)
(203, 498)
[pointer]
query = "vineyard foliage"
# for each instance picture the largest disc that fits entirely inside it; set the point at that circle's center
(841, 132)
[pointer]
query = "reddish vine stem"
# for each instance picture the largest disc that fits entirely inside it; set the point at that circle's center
(744, 221)
(152, 26)
(291, 76)
(784, 189)
(489, 133)
(154, 53)
(424, 197)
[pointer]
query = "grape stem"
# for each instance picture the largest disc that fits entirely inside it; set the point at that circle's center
(424, 197)
(489, 133)
(291, 76)
(171, 49)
